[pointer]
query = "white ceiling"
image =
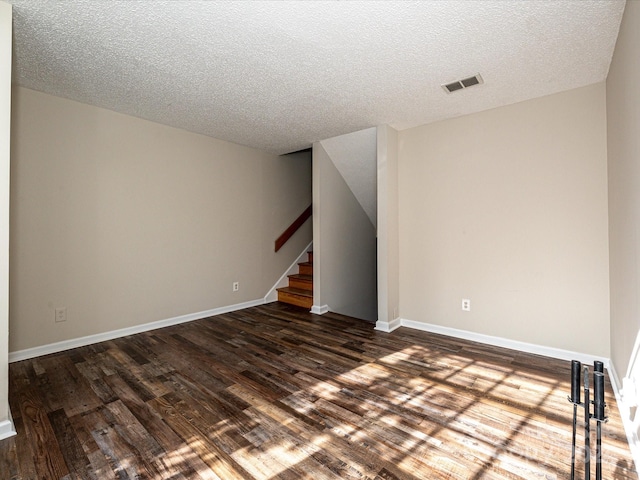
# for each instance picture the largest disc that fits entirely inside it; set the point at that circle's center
(281, 75)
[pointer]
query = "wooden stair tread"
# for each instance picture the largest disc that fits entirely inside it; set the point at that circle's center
(301, 276)
(305, 268)
(296, 296)
(300, 289)
(296, 291)
(301, 281)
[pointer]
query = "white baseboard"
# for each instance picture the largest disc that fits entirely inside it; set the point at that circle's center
(283, 281)
(505, 342)
(320, 309)
(616, 385)
(7, 428)
(388, 326)
(123, 332)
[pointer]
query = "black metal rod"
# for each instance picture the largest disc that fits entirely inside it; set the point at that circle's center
(598, 413)
(573, 442)
(576, 367)
(598, 450)
(598, 366)
(587, 426)
(576, 370)
(598, 396)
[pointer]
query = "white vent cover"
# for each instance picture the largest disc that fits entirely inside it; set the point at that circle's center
(462, 84)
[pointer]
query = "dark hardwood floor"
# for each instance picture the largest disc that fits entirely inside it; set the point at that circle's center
(275, 392)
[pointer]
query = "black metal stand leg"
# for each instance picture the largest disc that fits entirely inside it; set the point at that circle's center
(576, 368)
(598, 413)
(573, 443)
(599, 451)
(587, 426)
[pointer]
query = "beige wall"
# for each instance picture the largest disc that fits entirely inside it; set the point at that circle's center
(125, 222)
(5, 129)
(388, 248)
(623, 135)
(508, 208)
(344, 244)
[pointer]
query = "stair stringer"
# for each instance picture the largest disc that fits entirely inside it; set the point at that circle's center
(283, 281)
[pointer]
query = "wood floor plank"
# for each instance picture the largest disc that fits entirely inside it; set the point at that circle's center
(67, 385)
(70, 447)
(9, 459)
(47, 457)
(273, 392)
(111, 437)
(215, 457)
(156, 428)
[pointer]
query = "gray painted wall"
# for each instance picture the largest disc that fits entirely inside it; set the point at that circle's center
(344, 244)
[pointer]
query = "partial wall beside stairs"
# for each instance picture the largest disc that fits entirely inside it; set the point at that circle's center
(344, 242)
(388, 240)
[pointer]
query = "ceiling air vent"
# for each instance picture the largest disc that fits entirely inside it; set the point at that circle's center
(461, 84)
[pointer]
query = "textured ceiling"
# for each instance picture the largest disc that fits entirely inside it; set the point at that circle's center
(281, 75)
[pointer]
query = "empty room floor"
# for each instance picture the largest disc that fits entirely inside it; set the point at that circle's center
(275, 392)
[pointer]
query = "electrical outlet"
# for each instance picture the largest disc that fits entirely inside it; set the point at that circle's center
(466, 305)
(61, 314)
(236, 286)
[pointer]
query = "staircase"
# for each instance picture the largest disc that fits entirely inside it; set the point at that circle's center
(300, 289)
